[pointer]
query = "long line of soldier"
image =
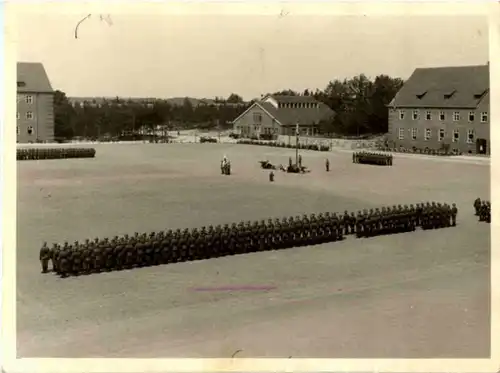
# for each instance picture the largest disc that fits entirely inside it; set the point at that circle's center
(483, 210)
(378, 159)
(245, 237)
(26, 154)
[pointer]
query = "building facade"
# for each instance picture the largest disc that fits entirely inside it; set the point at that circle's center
(443, 107)
(280, 114)
(35, 104)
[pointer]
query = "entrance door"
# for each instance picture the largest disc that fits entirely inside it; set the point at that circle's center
(481, 146)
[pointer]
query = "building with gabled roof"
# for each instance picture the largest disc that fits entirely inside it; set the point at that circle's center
(280, 114)
(443, 106)
(35, 104)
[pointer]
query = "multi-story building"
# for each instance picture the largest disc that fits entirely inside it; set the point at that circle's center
(443, 106)
(35, 104)
(279, 115)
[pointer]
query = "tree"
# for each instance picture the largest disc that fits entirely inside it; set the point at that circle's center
(234, 98)
(63, 116)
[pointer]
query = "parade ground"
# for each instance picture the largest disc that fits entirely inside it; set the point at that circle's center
(424, 294)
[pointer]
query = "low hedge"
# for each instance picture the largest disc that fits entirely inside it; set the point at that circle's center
(315, 147)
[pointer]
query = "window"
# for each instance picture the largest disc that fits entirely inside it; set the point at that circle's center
(18, 116)
(471, 116)
(257, 117)
(415, 114)
(29, 99)
(401, 133)
(401, 114)
(29, 115)
(413, 133)
(428, 115)
(484, 117)
(470, 136)
(442, 115)
(428, 133)
(441, 134)
(456, 135)
(456, 116)
(30, 130)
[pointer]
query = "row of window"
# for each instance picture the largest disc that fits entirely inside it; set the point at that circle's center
(29, 115)
(27, 98)
(298, 105)
(441, 134)
(29, 130)
(442, 115)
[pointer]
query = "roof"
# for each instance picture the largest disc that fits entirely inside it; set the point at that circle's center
(445, 87)
(31, 77)
(290, 116)
(288, 99)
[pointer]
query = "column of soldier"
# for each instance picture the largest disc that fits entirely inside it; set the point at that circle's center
(246, 237)
(378, 159)
(54, 153)
(483, 210)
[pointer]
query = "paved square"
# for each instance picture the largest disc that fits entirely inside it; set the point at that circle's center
(412, 295)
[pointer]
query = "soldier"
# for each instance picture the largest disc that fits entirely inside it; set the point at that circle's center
(64, 264)
(327, 165)
(454, 212)
(477, 205)
(98, 256)
(76, 259)
(271, 176)
(119, 253)
(290, 162)
(488, 212)
(109, 253)
(45, 256)
(300, 161)
(55, 257)
(148, 248)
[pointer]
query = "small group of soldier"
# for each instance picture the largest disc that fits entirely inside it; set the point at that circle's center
(483, 210)
(398, 219)
(54, 153)
(378, 159)
(245, 237)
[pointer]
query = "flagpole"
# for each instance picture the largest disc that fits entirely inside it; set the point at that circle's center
(297, 144)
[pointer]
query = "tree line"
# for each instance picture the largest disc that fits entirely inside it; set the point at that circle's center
(360, 104)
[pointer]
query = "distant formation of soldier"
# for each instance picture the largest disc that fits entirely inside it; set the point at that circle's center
(195, 244)
(378, 159)
(483, 210)
(28, 154)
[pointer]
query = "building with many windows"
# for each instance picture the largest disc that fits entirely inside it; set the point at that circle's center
(35, 104)
(279, 115)
(443, 106)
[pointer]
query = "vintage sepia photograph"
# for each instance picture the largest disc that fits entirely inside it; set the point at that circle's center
(225, 185)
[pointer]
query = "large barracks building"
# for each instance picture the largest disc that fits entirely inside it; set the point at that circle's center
(443, 105)
(35, 104)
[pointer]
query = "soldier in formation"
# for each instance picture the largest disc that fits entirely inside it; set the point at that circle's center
(156, 248)
(327, 165)
(54, 153)
(378, 159)
(484, 211)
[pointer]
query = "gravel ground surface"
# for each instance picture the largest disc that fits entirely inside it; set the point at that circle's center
(412, 295)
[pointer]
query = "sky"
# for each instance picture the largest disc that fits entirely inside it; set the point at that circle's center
(165, 55)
